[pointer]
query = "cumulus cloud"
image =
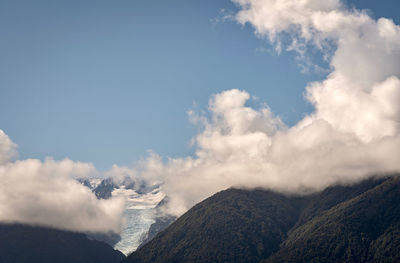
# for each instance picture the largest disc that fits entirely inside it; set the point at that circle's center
(8, 149)
(136, 177)
(48, 194)
(353, 133)
(361, 93)
(244, 147)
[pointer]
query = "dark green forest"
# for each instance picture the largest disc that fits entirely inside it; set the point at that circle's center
(358, 223)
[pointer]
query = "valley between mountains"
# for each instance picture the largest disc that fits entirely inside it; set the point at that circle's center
(353, 223)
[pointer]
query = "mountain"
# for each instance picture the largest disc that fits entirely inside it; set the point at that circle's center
(141, 198)
(359, 223)
(103, 188)
(363, 229)
(162, 221)
(21, 243)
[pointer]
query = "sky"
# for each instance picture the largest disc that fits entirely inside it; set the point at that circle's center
(103, 82)
(193, 97)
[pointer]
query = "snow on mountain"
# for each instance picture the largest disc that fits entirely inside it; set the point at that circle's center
(139, 216)
(140, 203)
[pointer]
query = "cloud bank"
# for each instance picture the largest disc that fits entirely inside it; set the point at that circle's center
(353, 133)
(47, 194)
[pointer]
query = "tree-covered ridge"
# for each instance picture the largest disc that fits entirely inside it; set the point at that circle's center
(31, 244)
(362, 229)
(358, 223)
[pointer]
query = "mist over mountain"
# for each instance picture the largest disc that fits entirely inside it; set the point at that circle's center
(47, 193)
(353, 130)
(316, 190)
(357, 223)
(352, 133)
(343, 223)
(143, 217)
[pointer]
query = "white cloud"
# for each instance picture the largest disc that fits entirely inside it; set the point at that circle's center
(46, 193)
(8, 149)
(245, 147)
(361, 93)
(353, 133)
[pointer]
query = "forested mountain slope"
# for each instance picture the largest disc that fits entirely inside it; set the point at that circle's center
(358, 223)
(28, 244)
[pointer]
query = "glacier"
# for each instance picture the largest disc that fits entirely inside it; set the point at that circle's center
(138, 216)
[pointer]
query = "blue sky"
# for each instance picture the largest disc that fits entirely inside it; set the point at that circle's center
(103, 82)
